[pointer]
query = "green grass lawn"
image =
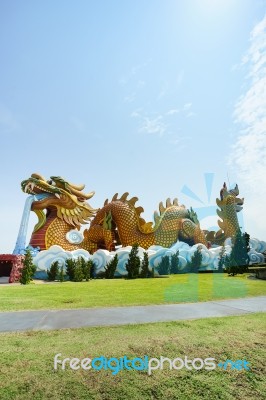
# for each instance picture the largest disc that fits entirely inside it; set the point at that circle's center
(27, 361)
(122, 292)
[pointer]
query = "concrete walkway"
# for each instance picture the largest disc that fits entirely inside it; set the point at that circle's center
(58, 319)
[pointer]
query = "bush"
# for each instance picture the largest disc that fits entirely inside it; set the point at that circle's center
(78, 271)
(133, 263)
(164, 266)
(28, 270)
(222, 260)
(52, 273)
(174, 263)
(110, 268)
(145, 273)
(238, 261)
(70, 268)
(196, 260)
(62, 274)
(86, 268)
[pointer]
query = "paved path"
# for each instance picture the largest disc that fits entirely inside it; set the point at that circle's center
(58, 319)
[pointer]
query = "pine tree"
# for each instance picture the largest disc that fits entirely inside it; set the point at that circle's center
(164, 266)
(110, 268)
(28, 270)
(239, 258)
(92, 266)
(144, 273)
(62, 274)
(196, 261)
(133, 263)
(86, 268)
(70, 268)
(174, 263)
(78, 271)
(52, 273)
(222, 259)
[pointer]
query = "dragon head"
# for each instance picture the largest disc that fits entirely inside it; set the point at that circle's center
(230, 196)
(65, 198)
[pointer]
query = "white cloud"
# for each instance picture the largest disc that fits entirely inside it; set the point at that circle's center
(173, 111)
(163, 91)
(248, 156)
(154, 125)
(187, 106)
(130, 98)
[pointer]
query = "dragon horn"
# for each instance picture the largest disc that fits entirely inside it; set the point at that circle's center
(76, 187)
(38, 176)
(78, 193)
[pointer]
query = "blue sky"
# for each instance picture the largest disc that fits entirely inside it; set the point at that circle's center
(134, 96)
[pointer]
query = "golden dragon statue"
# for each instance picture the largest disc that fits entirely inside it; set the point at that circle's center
(62, 207)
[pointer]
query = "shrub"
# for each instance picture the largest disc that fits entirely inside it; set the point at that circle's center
(52, 273)
(239, 259)
(222, 260)
(70, 268)
(92, 269)
(196, 260)
(145, 273)
(164, 266)
(174, 263)
(133, 263)
(28, 269)
(86, 268)
(110, 268)
(78, 271)
(62, 274)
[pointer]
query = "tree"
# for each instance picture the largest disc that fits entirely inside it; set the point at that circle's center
(78, 271)
(133, 263)
(28, 270)
(174, 263)
(164, 266)
(222, 259)
(92, 267)
(145, 273)
(62, 274)
(52, 273)
(110, 268)
(239, 258)
(196, 261)
(86, 268)
(70, 268)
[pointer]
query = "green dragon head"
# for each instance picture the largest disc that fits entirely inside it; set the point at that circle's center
(57, 194)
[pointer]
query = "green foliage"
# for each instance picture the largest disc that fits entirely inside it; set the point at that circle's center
(52, 273)
(145, 273)
(62, 274)
(70, 268)
(28, 270)
(86, 268)
(133, 263)
(92, 269)
(164, 266)
(174, 263)
(222, 259)
(192, 215)
(78, 270)
(239, 259)
(196, 260)
(110, 268)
